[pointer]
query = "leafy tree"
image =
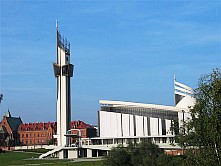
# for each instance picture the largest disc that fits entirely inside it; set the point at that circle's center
(118, 156)
(169, 160)
(203, 131)
(144, 153)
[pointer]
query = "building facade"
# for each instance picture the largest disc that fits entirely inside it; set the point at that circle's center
(119, 119)
(43, 133)
(9, 125)
(87, 130)
(37, 133)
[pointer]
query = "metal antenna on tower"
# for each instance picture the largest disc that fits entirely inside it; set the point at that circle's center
(57, 24)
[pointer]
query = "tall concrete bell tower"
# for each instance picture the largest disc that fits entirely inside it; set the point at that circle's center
(63, 71)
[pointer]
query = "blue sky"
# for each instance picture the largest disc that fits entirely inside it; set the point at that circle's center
(122, 50)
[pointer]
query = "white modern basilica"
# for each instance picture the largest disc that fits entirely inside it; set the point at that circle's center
(118, 119)
(123, 122)
(118, 122)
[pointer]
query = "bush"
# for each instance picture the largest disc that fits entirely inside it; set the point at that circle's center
(118, 156)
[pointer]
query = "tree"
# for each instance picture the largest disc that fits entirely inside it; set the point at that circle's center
(203, 131)
(169, 160)
(144, 153)
(118, 156)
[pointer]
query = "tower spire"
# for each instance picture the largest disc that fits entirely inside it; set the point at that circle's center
(56, 24)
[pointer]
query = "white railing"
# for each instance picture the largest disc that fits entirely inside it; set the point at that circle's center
(51, 152)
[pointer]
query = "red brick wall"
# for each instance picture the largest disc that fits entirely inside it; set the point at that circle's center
(5, 123)
(38, 137)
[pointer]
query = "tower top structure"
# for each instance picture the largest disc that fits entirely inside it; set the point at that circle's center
(63, 71)
(56, 24)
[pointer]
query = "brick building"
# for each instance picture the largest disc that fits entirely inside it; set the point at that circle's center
(9, 125)
(87, 131)
(42, 133)
(37, 133)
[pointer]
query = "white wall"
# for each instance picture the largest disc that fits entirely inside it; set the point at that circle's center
(103, 123)
(110, 125)
(131, 125)
(119, 128)
(160, 126)
(125, 123)
(145, 127)
(139, 125)
(153, 126)
(168, 126)
(35, 147)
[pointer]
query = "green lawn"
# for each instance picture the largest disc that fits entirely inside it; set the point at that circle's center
(24, 158)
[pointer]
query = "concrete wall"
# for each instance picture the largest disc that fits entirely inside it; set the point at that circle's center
(35, 147)
(117, 125)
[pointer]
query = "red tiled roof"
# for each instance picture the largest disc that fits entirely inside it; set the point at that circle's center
(36, 126)
(80, 125)
(44, 126)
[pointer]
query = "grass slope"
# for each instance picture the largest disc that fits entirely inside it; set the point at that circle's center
(25, 158)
